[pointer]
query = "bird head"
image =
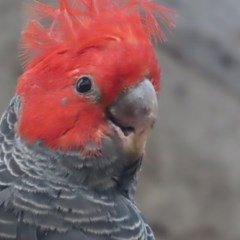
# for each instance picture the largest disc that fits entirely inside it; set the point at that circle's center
(91, 74)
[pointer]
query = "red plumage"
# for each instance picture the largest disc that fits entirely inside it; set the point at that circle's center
(82, 23)
(109, 40)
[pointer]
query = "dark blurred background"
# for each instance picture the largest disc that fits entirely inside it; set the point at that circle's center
(190, 184)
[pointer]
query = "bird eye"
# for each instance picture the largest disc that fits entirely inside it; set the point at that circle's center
(84, 84)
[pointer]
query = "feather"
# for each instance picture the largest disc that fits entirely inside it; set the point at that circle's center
(75, 22)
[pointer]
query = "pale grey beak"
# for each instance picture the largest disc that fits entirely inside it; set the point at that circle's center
(136, 109)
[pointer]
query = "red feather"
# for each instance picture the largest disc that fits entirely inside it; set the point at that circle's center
(107, 39)
(74, 21)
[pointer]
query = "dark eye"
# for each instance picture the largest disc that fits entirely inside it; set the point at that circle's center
(84, 84)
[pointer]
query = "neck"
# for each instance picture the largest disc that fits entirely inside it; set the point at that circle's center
(71, 170)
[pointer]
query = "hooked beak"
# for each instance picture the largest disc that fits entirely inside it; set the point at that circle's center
(132, 117)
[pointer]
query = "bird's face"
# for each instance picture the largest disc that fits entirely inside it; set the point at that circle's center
(74, 100)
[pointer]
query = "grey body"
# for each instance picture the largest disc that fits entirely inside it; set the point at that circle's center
(48, 195)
